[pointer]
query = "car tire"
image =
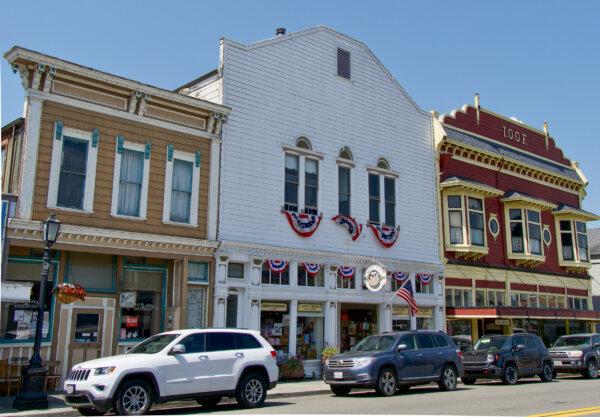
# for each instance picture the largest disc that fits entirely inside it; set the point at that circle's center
(591, 370)
(510, 375)
(340, 390)
(448, 378)
(252, 391)
(468, 380)
(88, 411)
(386, 382)
(134, 398)
(547, 373)
(404, 388)
(554, 375)
(210, 401)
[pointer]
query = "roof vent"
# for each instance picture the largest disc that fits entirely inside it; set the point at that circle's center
(279, 31)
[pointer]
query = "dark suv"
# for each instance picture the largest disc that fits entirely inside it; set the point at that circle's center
(577, 353)
(508, 358)
(396, 361)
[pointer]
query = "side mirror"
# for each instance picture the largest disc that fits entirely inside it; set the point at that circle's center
(401, 347)
(177, 349)
(596, 345)
(520, 347)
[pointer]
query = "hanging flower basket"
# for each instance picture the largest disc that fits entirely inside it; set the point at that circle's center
(69, 293)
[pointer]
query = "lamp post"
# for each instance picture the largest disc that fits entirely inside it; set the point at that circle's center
(32, 394)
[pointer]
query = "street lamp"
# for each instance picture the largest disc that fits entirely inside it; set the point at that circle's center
(32, 394)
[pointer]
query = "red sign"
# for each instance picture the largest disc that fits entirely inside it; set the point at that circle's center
(131, 321)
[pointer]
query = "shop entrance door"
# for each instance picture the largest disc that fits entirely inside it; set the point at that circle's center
(85, 341)
(357, 321)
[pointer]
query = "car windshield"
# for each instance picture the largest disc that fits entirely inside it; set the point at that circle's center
(493, 343)
(572, 341)
(374, 343)
(154, 344)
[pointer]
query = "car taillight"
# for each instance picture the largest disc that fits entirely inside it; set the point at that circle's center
(273, 354)
(496, 357)
(459, 353)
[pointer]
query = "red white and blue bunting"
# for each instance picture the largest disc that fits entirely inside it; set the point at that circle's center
(400, 277)
(303, 224)
(346, 271)
(385, 234)
(350, 223)
(312, 269)
(277, 265)
(424, 278)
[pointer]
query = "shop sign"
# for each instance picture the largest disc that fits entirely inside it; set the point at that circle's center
(127, 299)
(425, 312)
(375, 277)
(502, 322)
(131, 321)
(310, 308)
(400, 311)
(270, 306)
(514, 135)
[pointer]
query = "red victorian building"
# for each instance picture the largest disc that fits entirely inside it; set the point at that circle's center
(514, 232)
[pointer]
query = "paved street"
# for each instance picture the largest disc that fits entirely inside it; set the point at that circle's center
(494, 398)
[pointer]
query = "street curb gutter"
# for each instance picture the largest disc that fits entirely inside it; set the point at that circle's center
(62, 412)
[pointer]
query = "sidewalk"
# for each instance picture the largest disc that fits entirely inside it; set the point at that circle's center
(58, 408)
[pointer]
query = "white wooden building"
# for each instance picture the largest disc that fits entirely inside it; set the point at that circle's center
(319, 106)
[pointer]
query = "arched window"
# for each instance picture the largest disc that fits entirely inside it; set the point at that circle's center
(383, 164)
(304, 143)
(345, 153)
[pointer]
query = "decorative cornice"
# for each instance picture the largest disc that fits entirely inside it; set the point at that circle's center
(469, 185)
(72, 235)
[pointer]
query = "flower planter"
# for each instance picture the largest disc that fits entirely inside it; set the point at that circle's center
(68, 293)
(67, 298)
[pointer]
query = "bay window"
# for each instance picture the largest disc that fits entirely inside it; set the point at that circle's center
(525, 232)
(476, 222)
(455, 218)
(573, 241)
(465, 218)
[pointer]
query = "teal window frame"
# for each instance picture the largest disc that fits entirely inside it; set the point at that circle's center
(111, 290)
(163, 298)
(196, 281)
(35, 260)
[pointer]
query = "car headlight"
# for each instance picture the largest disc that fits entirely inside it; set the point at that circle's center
(490, 358)
(327, 362)
(576, 353)
(364, 361)
(105, 370)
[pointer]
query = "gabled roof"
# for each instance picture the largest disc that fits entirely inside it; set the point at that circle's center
(573, 211)
(470, 185)
(323, 28)
(517, 196)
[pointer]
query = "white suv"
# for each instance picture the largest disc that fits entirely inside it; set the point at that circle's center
(200, 364)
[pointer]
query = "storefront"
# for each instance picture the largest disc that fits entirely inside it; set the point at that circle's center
(275, 325)
(356, 323)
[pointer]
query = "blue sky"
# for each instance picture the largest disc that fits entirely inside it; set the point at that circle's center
(536, 60)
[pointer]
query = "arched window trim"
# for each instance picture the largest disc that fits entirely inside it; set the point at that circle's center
(300, 140)
(342, 151)
(383, 163)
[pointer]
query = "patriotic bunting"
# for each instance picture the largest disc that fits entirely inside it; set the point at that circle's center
(424, 278)
(277, 265)
(303, 224)
(354, 229)
(312, 269)
(400, 277)
(385, 234)
(346, 271)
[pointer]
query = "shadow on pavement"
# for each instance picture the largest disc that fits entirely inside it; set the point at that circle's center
(221, 407)
(411, 391)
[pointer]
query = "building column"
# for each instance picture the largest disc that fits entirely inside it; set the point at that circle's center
(213, 189)
(220, 302)
(385, 317)
(331, 324)
(413, 322)
(33, 120)
(440, 318)
(331, 277)
(256, 271)
(293, 273)
(254, 314)
(293, 325)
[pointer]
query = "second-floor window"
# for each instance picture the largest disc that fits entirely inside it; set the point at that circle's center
(182, 183)
(389, 185)
(374, 198)
(130, 181)
(382, 194)
(573, 239)
(311, 186)
(476, 222)
(465, 211)
(525, 231)
(291, 182)
(309, 280)
(301, 179)
(181, 191)
(71, 183)
(455, 219)
(275, 278)
(344, 190)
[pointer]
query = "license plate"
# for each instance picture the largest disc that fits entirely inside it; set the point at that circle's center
(70, 388)
(338, 375)
(557, 362)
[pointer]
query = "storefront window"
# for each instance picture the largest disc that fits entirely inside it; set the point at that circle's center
(86, 327)
(400, 319)
(20, 295)
(94, 273)
(552, 330)
(275, 278)
(309, 330)
(530, 326)
(309, 280)
(459, 328)
(275, 325)
(141, 303)
(577, 326)
(356, 324)
(425, 319)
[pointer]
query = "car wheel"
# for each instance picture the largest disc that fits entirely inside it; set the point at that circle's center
(210, 401)
(468, 380)
(448, 378)
(547, 373)
(386, 382)
(340, 390)
(591, 371)
(554, 374)
(87, 411)
(252, 391)
(509, 375)
(134, 398)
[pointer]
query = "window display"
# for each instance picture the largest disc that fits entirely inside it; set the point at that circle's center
(356, 324)
(400, 319)
(275, 325)
(86, 328)
(141, 311)
(459, 327)
(309, 331)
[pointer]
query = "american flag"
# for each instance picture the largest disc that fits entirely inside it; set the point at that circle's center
(406, 293)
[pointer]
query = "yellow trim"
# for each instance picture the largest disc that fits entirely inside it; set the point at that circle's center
(463, 248)
(569, 413)
(576, 264)
(526, 258)
(461, 185)
(573, 213)
(521, 200)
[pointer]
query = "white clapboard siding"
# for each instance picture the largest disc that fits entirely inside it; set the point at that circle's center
(281, 89)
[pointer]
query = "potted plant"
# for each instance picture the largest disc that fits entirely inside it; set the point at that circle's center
(291, 367)
(327, 353)
(69, 293)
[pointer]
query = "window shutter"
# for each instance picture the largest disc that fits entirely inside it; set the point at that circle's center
(343, 63)
(58, 129)
(169, 152)
(198, 159)
(120, 141)
(95, 137)
(147, 151)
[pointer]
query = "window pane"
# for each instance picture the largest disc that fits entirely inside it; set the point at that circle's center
(480, 298)
(565, 225)
(467, 298)
(235, 270)
(374, 198)
(456, 231)
(581, 227)
(95, 272)
(476, 228)
(374, 186)
(311, 185)
(181, 191)
(74, 155)
(198, 271)
(291, 182)
(344, 190)
(535, 239)
(311, 172)
(130, 182)
(220, 341)
(533, 216)
(194, 343)
(516, 230)
(475, 204)
(454, 201)
(390, 201)
(70, 190)
(450, 298)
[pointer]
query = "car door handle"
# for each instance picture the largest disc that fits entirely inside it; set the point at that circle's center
(419, 354)
(440, 353)
(239, 355)
(203, 357)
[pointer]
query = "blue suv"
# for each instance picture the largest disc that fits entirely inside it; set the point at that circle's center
(390, 362)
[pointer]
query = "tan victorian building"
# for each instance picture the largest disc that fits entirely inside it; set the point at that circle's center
(131, 171)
